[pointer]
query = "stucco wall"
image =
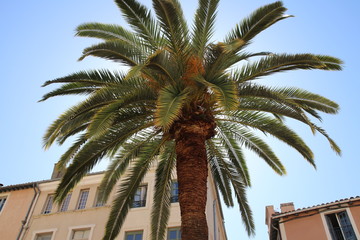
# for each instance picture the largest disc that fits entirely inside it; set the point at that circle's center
(355, 212)
(300, 228)
(14, 211)
(138, 219)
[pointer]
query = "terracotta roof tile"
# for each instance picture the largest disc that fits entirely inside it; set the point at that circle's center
(340, 201)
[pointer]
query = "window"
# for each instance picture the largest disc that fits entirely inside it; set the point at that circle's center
(140, 197)
(80, 234)
(48, 204)
(174, 192)
(133, 235)
(83, 198)
(43, 236)
(2, 202)
(98, 202)
(65, 204)
(174, 234)
(340, 226)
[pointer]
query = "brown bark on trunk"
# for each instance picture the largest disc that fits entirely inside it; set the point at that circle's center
(192, 173)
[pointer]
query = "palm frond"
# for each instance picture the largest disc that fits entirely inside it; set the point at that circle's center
(216, 160)
(96, 78)
(115, 50)
(234, 155)
(71, 152)
(245, 210)
(204, 25)
(253, 143)
(131, 91)
(92, 152)
(140, 19)
(258, 21)
(275, 128)
(56, 128)
(261, 98)
(120, 111)
(70, 89)
(161, 205)
(231, 173)
(128, 153)
(309, 100)
(219, 60)
(162, 69)
(225, 91)
(170, 102)
(332, 143)
(284, 62)
(128, 187)
(173, 24)
(107, 32)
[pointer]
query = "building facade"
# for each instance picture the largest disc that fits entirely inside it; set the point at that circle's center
(339, 220)
(16, 205)
(81, 216)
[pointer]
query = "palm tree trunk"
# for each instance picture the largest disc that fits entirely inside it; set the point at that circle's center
(192, 173)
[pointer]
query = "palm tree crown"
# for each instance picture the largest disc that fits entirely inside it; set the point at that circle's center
(186, 103)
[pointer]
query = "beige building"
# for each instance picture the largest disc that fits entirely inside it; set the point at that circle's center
(339, 220)
(82, 217)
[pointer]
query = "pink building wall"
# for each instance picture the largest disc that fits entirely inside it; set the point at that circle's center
(304, 226)
(355, 212)
(311, 223)
(14, 212)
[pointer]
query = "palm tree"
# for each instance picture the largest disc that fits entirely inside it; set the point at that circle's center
(184, 102)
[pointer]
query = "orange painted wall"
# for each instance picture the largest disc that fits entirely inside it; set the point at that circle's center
(355, 212)
(309, 228)
(14, 211)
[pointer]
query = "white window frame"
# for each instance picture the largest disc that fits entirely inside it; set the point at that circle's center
(82, 227)
(65, 201)
(51, 230)
(326, 227)
(87, 198)
(96, 199)
(141, 200)
(6, 196)
(46, 203)
(134, 232)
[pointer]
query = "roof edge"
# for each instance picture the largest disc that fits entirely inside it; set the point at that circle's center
(341, 201)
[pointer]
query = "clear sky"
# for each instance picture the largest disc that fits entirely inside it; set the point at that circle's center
(37, 43)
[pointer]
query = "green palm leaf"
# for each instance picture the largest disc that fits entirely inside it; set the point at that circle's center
(310, 100)
(260, 20)
(128, 188)
(139, 18)
(255, 144)
(161, 206)
(234, 154)
(216, 161)
(170, 102)
(224, 90)
(115, 50)
(204, 24)
(107, 32)
(119, 163)
(284, 62)
(173, 24)
(230, 173)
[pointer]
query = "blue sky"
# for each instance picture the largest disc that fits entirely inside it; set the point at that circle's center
(38, 44)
